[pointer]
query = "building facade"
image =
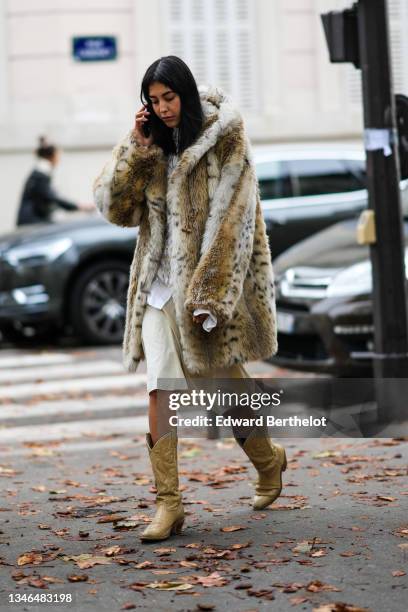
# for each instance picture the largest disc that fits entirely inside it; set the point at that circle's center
(270, 55)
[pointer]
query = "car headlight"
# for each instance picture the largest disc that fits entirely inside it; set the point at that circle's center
(37, 254)
(355, 280)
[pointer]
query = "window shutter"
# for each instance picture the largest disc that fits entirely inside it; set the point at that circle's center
(216, 38)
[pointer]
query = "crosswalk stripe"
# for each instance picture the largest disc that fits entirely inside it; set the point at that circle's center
(76, 429)
(71, 407)
(127, 381)
(19, 361)
(79, 368)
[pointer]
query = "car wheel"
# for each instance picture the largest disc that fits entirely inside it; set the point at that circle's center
(98, 302)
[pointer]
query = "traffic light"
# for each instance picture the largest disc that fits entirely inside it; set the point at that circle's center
(341, 30)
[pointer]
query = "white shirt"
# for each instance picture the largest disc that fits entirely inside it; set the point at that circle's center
(161, 293)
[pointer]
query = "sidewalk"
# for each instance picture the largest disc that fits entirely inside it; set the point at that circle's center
(339, 532)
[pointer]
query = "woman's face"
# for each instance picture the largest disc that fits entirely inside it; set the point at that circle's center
(166, 104)
(55, 158)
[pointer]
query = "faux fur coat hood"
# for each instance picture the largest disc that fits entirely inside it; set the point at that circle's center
(220, 253)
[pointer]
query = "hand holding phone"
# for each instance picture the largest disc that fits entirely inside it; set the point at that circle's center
(141, 129)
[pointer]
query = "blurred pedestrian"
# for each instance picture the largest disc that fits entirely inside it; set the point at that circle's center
(201, 292)
(39, 198)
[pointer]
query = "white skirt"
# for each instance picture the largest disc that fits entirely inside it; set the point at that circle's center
(164, 358)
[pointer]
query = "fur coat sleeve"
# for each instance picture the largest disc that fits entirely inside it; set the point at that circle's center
(227, 245)
(119, 190)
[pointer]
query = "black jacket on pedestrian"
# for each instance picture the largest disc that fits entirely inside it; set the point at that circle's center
(39, 199)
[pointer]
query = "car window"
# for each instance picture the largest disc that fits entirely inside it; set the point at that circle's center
(322, 176)
(274, 180)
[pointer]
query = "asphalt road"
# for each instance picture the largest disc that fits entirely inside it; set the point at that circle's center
(76, 482)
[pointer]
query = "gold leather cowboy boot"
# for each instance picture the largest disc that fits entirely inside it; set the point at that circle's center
(169, 516)
(270, 461)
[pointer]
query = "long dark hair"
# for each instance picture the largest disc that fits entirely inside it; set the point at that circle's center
(174, 73)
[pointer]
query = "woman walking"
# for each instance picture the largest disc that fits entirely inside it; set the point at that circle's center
(39, 198)
(201, 288)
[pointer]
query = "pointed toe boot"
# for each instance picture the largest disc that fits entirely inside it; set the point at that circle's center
(269, 461)
(169, 517)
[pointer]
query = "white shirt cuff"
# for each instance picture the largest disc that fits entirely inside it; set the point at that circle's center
(209, 322)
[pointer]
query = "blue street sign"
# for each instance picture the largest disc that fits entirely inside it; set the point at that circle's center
(94, 48)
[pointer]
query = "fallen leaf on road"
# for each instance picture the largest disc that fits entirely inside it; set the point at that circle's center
(296, 601)
(324, 454)
(263, 594)
(319, 553)
(339, 606)
(213, 580)
(232, 528)
(78, 578)
(161, 552)
(86, 560)
(30, 557)
(109, 518)
(126, 525)
(239, 546)
(397, 573)
(111, 551)
(303, 547)
(170, 586)
(316, 586)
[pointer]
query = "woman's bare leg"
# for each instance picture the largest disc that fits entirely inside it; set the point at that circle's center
(159, 414)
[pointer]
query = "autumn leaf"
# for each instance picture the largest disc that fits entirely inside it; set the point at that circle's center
(111, 551)
(402, 532)
(78, 577)
(144, 565)
(316, 586)
(30, 557)
(239, 546)
(213, 580)
(263, 594)
(296, 601)
(161, 552)
(303, 547)
(188, 564)
(170, 586)
(126, 524)
(86, 560)
(109, 518)
(53, 580)
(339, 606)
(232, 528)
(397, 573)
(37, 582)
(324, 454)
(319, 553)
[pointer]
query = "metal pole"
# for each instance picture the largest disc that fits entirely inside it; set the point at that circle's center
(387, 253)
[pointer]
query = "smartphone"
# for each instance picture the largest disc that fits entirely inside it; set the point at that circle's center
(146, 127)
